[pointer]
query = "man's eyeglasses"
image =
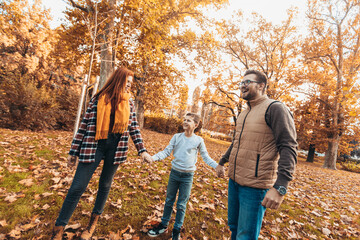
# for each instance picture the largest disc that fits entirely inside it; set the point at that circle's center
(247, 82)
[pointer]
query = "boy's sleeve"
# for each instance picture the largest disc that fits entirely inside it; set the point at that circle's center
(205, 156)
(167, 151)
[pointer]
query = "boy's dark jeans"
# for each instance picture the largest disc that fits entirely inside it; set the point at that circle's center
(178, 182)
(106, 149)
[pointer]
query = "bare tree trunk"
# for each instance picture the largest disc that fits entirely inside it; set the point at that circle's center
(209, 115)
(311, 153)
(333, 144)
(140, 92)
(331, 153)
(202, 117)
(140, 113)
(139, 105)
(107, 65)
(93, 44)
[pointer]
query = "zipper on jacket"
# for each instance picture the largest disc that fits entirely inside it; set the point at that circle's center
(242, 129)
(257, 165)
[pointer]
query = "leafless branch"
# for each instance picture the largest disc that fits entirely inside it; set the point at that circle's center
(87, 9)
(317, 98)
(227, 94)
(237, 56)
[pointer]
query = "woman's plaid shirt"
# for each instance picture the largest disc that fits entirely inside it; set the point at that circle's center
(84, 144)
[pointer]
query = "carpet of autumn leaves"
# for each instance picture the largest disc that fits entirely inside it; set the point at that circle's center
(34, 178)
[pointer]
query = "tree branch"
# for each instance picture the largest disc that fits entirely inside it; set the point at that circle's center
(87, 9)
(317, 98)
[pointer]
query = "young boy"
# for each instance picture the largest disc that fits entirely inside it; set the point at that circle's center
(185, 147)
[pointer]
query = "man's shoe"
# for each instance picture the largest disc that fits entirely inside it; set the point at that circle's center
(175, 234)
(156, 231)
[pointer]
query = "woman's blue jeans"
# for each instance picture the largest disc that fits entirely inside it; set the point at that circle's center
(181, 181)
(245, 212)
(106, 149)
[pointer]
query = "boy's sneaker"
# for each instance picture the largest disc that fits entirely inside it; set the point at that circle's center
(156, 231)
(175, 234)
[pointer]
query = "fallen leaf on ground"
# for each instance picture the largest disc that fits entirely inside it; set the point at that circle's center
(114, 236)
(3, 223)
(45, 207)
(27, 182)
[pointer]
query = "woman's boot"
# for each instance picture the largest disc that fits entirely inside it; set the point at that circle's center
(89, 231)
(57, 233)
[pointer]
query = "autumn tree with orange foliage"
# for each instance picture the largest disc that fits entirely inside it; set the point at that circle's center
(271, 49)
(332, 60)
(161, 38)
(218, 119)
(26, 39)
(142, 35)
(30, 97)
(220, 106)
(307, 121)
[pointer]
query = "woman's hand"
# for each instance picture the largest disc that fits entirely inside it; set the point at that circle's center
(146, 157)
(71, 161)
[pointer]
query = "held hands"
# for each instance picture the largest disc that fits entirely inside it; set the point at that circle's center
(71, 161)
(272, 199)
(220, 171)
(146, 157)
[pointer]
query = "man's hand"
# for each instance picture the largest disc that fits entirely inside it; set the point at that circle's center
(71, 161)
(146, 157)
(272, 199)
(220, 171)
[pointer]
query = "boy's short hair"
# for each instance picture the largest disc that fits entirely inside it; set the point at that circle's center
(195, 117)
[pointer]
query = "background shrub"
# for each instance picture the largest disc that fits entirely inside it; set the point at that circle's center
(221, 137)
(67, 104)
(351, 166)
(162, 123)
(217, 135)
(25, 104)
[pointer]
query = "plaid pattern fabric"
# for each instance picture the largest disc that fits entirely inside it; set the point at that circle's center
(84, 144)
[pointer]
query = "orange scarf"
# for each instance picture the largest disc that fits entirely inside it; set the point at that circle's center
(121, 121)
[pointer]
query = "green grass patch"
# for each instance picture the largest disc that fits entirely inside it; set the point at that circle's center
(45, 153)
(10, 181)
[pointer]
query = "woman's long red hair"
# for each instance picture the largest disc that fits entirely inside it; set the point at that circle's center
(115, 85)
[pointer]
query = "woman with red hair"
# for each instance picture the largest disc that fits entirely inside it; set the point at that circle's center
(103, 134)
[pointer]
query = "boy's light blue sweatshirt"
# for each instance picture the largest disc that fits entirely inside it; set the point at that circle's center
(185, 152)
